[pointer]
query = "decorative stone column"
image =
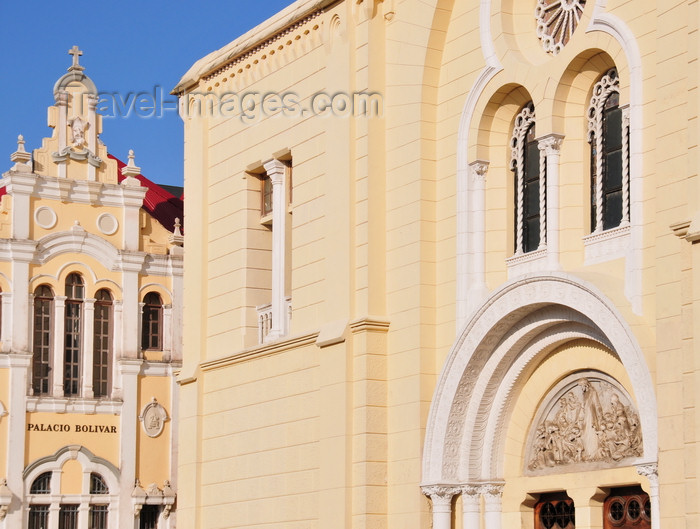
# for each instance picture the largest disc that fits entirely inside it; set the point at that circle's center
(651, 472)
(492, 505)
(87, 360)
(276, 172)
(471, 506)
(478, 171)
(441, 498)
(59, 338)
(550, 147)
(625, 165)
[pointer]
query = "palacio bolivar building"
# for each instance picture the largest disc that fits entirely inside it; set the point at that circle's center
(441, 268)
(91, 273)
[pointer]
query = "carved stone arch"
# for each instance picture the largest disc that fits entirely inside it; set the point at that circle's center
(77, 240)
(516, 322)
(89, 461)
(165, 294)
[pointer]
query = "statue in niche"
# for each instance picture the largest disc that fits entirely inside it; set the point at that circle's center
(77, 127)
(593, 421)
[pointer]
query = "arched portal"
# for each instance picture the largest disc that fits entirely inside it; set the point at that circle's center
(502, 345)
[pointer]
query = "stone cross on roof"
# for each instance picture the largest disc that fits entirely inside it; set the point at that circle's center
(76, 53)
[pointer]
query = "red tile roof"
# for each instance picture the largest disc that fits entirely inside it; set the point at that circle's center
(159, 203)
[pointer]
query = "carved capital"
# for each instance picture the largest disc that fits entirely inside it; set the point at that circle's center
(651, 472)
(441, 494)
(477, 170)
(550, 144)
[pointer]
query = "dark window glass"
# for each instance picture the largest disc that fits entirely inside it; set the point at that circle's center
(72, 333)
(102, 344)
(627, 508)
(98, 516)
(612, 166)
(97, 484)
(266, 206)
(38, 516)
(42, 484)
(41, 361)
(555, 511)
(531, 190)
(611, 178)
(68, 516)
(149, 517)
(152, 322)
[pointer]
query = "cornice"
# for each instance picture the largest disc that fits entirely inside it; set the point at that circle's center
(369, 323)
(252, 42)
(261, 351)
(76, 191)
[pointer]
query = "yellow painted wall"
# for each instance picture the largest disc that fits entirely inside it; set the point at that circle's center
(72, 477)
(103, 444)
(153, 456)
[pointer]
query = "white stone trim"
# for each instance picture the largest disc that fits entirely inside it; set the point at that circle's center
(86, 406)
(39, 212)
(471, 286)
(616, 28)
(607, 245)
(107, 224)
(89, 464)
(466, 372)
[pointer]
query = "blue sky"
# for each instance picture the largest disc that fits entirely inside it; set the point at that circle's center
(128, 47)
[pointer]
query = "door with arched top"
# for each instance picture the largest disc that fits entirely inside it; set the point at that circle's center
(627, 508)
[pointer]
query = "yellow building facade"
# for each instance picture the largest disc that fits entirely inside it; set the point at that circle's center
(91, 264)
(440, 268)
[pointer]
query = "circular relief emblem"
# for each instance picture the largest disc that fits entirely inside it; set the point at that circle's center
(153, 417)
(45, 217)
(107, 223)
(556, 22)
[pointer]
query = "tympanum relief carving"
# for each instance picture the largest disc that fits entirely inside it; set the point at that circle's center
(589, 421)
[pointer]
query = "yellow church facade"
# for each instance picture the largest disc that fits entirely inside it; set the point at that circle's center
(440, 268)
(91, 273)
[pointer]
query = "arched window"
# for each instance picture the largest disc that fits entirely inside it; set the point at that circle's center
(41, 361)
(608, 134)
(102, 344)
(152, 322)
(39, 512)
(555, 511)
(75, 293)
(529, 182)
(99, 510)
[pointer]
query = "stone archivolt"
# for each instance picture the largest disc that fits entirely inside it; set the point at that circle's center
(589, 421)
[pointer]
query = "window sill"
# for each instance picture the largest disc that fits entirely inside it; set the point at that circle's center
(527, 263)
(606, 245)
(73, 405)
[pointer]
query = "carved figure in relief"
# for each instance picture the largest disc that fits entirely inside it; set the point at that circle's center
(589, 423)
(77, 127)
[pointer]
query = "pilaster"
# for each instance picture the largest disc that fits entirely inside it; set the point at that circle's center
(276, 172)
(87, 390)
(59, 338)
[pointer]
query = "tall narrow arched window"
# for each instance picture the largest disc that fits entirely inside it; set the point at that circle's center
(152, 322)
(39, 507)
(42, 332)
(75, 293)
(529, 182)
(102, 344)
(608, 134)
(99, 508)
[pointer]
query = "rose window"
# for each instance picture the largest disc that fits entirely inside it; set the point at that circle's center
(557, 21)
